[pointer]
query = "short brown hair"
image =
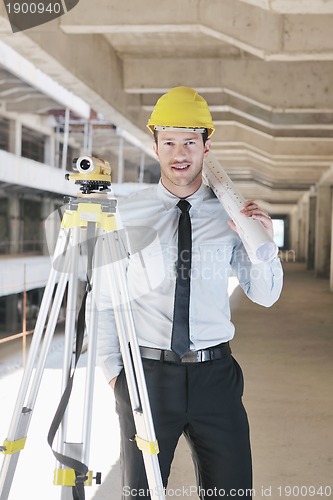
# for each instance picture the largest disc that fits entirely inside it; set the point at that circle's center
(204, 136)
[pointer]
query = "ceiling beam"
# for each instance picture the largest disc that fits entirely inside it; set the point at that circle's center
(292, 7)
(85, 65)
(276, 84)
(32, 105)
(278, 147)
(274, 123)
(264, 33)
(23, 69)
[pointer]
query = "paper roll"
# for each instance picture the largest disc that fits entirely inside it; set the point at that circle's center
(258, 244)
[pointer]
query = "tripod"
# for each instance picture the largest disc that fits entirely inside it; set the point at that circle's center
(88, 222)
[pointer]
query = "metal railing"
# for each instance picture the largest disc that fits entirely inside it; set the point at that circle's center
(25, 332)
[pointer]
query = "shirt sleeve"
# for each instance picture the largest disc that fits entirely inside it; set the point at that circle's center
(261, 282)
(108, 348)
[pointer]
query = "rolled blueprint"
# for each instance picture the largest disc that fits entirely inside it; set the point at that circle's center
(258, 244)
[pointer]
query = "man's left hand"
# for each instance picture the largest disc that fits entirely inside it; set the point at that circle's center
(251, 209)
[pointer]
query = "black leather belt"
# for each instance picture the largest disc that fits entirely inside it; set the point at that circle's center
(209, 354)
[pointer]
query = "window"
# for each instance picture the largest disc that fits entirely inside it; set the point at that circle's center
(31, 231)
(281, 231)
(4, 134)
(33, 144)
(69, 158)
(4, 227)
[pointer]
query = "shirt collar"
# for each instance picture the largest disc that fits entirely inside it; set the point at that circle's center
(169, 200)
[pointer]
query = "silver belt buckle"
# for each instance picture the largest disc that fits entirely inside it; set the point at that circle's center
(206, 355)
(197, 356)
(191, 357)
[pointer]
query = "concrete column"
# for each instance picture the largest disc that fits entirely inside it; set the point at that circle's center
(306, 226)
(312, 232)
(323, 230)
(50, 151)
(14, 224)
(331, 264)
(294, 232)
(303, 229)
(65, 143)
(48, 208)
(11, 314)
(15, 137)
(142, 166)
(120, 177)
(57, 147)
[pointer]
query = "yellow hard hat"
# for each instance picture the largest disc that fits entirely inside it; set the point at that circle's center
(181, 107)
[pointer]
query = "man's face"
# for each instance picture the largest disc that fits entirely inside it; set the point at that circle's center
(181, 157)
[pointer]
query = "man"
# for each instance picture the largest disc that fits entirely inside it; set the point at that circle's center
(194, 390)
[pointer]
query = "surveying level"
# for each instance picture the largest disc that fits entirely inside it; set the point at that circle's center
(90, 231)
(94, 174)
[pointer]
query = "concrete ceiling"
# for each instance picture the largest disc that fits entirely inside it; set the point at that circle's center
(264, 66)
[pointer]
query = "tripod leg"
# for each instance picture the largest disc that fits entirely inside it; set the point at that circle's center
(26, 400)
(92, 348)
(69, 326)
(65, 474)
(145, 438)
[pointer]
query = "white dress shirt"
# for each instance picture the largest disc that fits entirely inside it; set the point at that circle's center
(151, 218)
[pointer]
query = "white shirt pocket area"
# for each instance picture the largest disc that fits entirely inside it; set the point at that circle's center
(148, 269)
(213, 261)
(134, 260)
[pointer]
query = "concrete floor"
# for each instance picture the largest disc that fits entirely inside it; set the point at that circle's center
(286, 354)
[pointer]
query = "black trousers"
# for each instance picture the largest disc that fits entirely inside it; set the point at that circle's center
(203, 401)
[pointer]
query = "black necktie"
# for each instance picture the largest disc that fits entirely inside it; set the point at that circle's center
(180, 342)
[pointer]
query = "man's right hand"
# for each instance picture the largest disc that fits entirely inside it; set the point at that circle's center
(113, 381)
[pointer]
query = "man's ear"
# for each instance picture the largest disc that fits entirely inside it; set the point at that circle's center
(208, 144)
(155, 149)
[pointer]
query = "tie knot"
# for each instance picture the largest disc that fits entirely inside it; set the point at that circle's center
(184, 205)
